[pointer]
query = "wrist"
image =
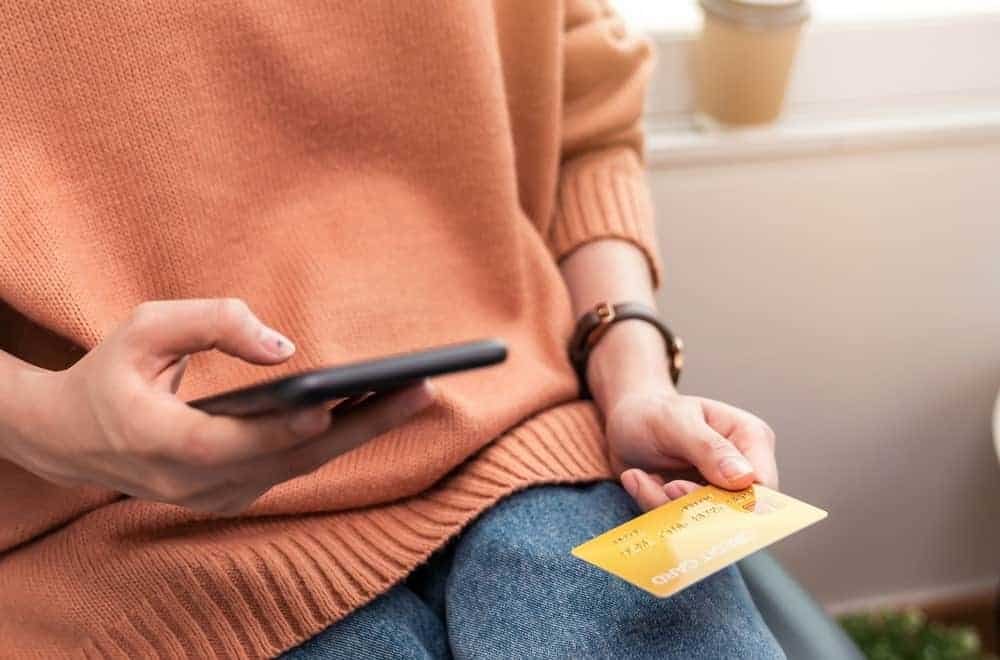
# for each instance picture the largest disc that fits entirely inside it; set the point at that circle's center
(630, 358)
(20, 416)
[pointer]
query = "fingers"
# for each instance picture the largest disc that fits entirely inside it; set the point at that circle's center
(228, 487)
(718, 459)
(761, 457)
(646, 492)
(649, 490)
(197, 439)
(167, 330)
(749, 434)
(679, 488)
(224, 502)
(356, 426)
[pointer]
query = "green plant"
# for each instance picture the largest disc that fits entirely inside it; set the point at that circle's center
(907, 635)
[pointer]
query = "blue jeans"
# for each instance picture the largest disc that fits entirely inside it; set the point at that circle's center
(508, 587)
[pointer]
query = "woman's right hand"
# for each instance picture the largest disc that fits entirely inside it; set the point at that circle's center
(113, 418)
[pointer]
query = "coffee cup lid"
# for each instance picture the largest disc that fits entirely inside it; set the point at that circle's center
(759, 13)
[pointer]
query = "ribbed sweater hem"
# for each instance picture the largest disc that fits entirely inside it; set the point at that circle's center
(269, 594)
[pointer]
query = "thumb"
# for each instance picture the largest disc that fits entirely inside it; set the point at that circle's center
(719, 460)
(168, 330)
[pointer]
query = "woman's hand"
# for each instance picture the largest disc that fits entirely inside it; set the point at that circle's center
(113, 419)
(661, 431)
(653, 430)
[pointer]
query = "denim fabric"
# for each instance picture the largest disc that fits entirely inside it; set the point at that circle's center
(509, 588)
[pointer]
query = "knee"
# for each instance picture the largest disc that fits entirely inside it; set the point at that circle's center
(515, 564)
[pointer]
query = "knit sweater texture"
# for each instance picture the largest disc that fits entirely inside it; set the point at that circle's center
(371, 177)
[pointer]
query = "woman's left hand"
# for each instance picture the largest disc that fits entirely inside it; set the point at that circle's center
(653, 430)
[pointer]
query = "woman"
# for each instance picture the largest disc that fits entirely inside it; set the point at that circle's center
(368, 178)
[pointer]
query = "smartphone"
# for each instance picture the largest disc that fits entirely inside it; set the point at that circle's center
(353, 380)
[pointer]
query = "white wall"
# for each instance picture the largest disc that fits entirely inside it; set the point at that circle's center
(853, 301)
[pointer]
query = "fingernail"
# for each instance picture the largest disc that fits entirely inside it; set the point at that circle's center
(310, 422)
(734, 467)
(276, 343)
(630, 480)
(673, 491)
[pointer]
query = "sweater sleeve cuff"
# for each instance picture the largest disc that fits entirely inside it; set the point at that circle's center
(605, 195)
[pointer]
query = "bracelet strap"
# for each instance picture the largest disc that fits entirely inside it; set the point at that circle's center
(593, 325)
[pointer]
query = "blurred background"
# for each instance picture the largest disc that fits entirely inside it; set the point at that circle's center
(837, 271)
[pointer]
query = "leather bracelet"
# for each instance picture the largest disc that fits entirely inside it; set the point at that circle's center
(593, 325)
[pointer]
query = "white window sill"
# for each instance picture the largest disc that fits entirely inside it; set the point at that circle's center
(906, 73)
(679, 17)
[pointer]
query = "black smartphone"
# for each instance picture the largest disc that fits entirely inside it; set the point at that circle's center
(353, 380)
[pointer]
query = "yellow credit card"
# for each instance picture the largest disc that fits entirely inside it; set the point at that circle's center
(683, 541)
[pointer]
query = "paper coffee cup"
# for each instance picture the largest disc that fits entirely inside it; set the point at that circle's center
(743, 58)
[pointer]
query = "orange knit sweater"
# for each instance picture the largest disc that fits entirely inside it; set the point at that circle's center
(370, 177)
